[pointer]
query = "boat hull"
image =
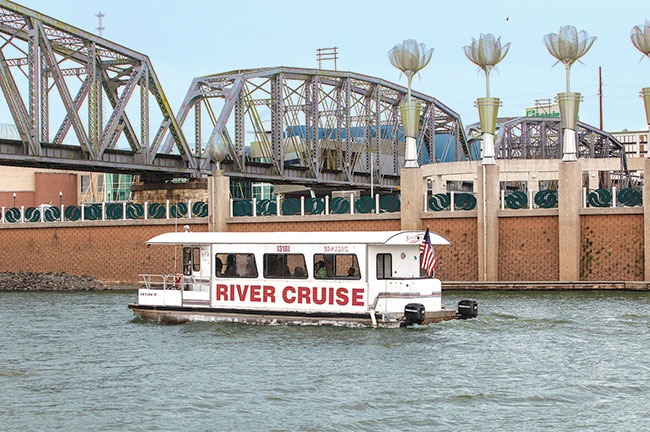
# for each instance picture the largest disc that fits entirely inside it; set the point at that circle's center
(183, 314)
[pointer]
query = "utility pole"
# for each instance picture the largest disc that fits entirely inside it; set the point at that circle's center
(600, 95)
(100, 26)
(325, 54)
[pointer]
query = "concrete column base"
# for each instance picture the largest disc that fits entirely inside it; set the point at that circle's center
(219, 201)
(412, 198)
(569, 204)
(488, 182)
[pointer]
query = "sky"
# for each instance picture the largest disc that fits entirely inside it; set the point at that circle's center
(186, 39)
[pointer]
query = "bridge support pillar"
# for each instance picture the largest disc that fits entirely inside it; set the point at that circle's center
(569, 204)
(219, 198)
(488, 185)
(412, 198)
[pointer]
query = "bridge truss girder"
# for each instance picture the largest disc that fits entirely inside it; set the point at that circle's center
(84, 69)
(541, 138)
(324, 126)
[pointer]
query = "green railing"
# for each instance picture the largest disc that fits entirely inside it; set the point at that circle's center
(105, 211)
(315, 206)
(452, 201)
(626, 197)
(520, 200)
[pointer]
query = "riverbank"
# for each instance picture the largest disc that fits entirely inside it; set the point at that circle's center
(26, 281)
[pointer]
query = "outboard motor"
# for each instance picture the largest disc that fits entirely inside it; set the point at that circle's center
(467, 309)
(413, 314)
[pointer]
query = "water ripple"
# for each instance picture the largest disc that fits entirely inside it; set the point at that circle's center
(531, 361)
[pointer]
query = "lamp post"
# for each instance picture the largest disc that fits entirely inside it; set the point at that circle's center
(410, 57)
(14, 199)
(220, 184)
(641, 40)
(486, 53)
(567, 47)
(60, 198)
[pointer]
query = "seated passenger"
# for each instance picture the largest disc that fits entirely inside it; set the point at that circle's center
(299, 272)
(251, 269)
(352, 272)
(319, 270)
(230, 266)
(218, 266)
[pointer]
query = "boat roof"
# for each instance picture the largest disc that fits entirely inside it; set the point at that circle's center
(397, 238)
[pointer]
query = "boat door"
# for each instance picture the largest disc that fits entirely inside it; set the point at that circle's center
(196, 274)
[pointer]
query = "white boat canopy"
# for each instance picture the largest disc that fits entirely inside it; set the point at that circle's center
(402, 238)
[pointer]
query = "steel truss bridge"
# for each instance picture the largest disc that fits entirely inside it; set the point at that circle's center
(541, 138)
(38, 54)
(321, 127)
(314, 126)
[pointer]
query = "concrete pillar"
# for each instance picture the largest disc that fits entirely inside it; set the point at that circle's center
(569, 204)
(594, 180)
(219, 193)
(412, 198)
(438, 185)
(488, 182)
(646, 219)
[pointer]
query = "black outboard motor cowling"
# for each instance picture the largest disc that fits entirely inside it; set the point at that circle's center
(467, 309)
(414, 313)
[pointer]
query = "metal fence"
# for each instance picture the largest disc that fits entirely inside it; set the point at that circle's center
(315, 206)
(105, 211)
(626, 197)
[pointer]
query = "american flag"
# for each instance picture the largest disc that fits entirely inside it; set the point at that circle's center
(427, 260)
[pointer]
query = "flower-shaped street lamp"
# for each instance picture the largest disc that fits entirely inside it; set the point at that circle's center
(567, 47)
(486, 53)
(216, 150)
(410, 57)
(641, 40)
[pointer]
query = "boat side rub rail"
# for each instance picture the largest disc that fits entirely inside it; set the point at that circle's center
(173, 282)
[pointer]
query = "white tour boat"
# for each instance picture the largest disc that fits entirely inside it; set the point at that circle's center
(321, 278)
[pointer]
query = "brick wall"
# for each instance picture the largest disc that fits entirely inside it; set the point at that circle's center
(109, 253)
(48, 186)
(459, 260)
(528, 248)
(611, 247)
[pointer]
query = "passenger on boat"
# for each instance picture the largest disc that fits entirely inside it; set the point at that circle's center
(299, 272)
(218, 266)
(319, 270)
(351, 272)
(251, 269)
(230, 266)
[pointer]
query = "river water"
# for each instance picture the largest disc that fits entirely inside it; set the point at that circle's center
(532, 361)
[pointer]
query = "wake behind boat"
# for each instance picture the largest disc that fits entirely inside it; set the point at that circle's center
(305, 278)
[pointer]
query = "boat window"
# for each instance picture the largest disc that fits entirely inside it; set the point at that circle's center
(336, 266)
(187, 261)
(235, 265)
(196, 259)
(285, 266)
(384, 266)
